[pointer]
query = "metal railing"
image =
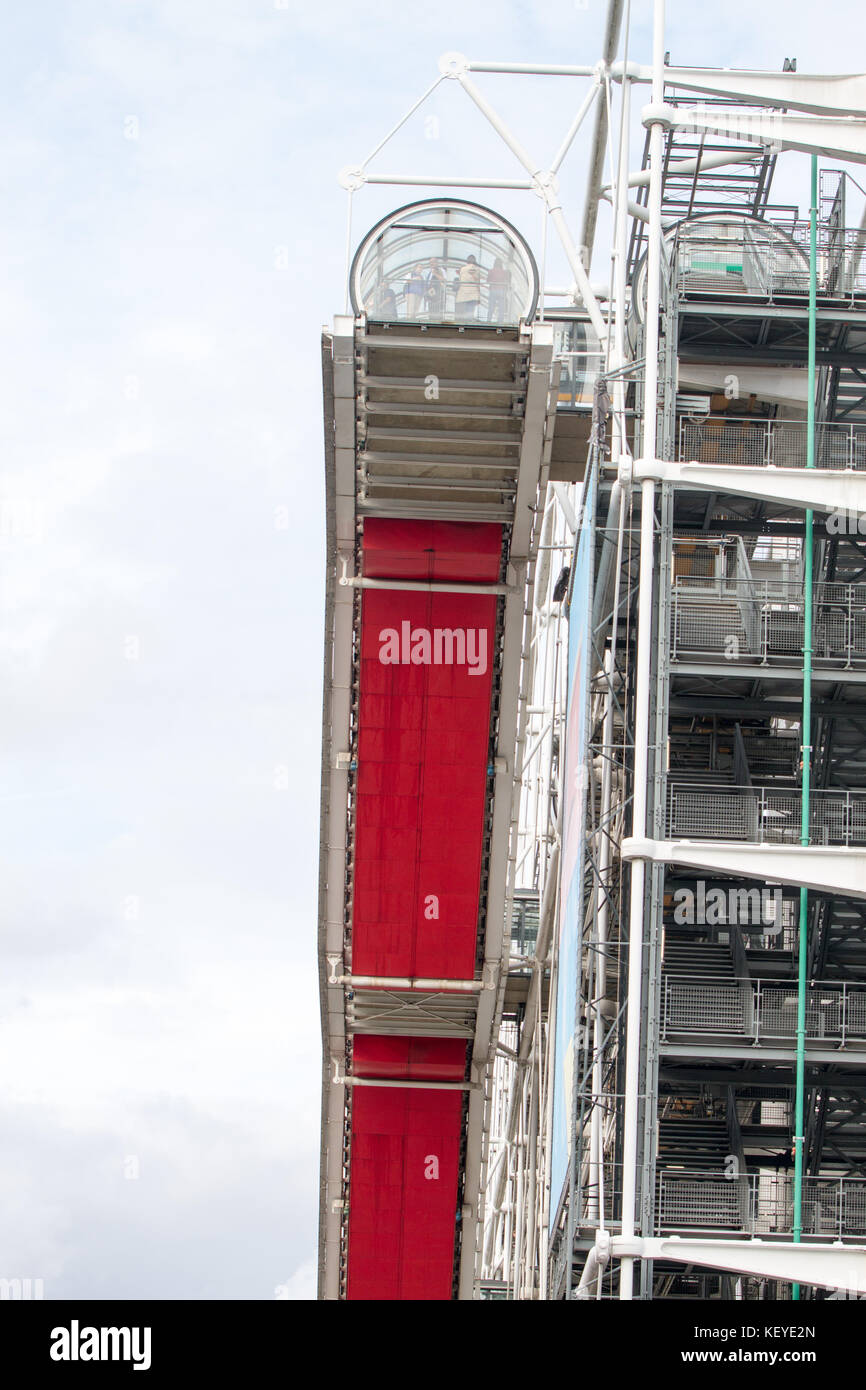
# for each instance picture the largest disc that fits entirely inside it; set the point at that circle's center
(758, 259)
(759, 1204)
(763, 815)
(761, 443)
(757, 1010)
(764, 619)
(704, 1202)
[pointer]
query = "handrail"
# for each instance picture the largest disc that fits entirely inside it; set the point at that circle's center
(760, 1008)
(763, 814)
(694, 1199)
(758, 442)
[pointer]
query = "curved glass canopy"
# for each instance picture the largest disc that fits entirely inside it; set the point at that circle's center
(444, 261)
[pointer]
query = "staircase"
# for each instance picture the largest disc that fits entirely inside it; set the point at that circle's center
(693, 1143)
(694, 1190)
(846, 939)
(696, 959)
(845, 754)
(841, 1140)
(849, 396)
(701, 997)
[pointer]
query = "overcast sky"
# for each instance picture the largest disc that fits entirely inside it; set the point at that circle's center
(173, 237)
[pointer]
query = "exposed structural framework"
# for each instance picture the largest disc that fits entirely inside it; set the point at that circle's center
(593, 869)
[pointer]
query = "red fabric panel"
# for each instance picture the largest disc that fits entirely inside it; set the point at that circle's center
(403, 1193)
(395, 549)
(422, 777)
(419, 1059)
(423, 751)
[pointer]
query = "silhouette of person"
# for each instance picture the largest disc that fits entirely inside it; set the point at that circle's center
(497, 291)
(468, 289)
(415, 290)
(435, 289)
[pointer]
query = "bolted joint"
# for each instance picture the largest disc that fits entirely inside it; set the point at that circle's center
(656, 113)
(454, 65)
(602, 1248)
(546, 185)
(352, 177)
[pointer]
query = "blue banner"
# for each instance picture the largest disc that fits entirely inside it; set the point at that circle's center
(575, 781)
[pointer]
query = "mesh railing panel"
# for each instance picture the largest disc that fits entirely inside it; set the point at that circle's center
(697, 1201)
(691, 1201)
(764, 816)
(707, 625)
(758, 1010)
(757, 443)
(703, 1008)
(738, 621)
(756, 259)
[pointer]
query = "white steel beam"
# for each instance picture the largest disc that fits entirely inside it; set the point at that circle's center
(835, 137)
(822, 489)
(839, 94)
(782, 385)
(613, 24)
(827, 1266)
(824, 868)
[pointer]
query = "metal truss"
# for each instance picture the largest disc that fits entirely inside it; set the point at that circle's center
(713, 137)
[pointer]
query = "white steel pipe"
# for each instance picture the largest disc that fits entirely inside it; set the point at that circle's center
(613, 22)
(409, 1085)
(394, 982)
(576, 124)
(532, 69)
(412, 180)
(631, 1106)
(546, 186)
(578, 269)
(359, 582)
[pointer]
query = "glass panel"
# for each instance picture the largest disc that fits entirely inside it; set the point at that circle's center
(444, 265)
(576, 347)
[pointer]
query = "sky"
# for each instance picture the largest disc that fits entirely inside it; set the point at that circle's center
(172, 239)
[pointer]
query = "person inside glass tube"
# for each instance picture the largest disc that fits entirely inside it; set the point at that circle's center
(435, 289)
(497, 291)
(382, 303)
(415, 290)
(468, 289)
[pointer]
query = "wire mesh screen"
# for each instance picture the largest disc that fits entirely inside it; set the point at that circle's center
(703, 1008)
(695, 1201)
(760, 1203)
(757, 443)
(765, 816)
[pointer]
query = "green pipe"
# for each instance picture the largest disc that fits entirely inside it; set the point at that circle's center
(806, 732)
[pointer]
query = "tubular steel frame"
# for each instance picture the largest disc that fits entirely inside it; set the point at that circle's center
(527, 1245)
